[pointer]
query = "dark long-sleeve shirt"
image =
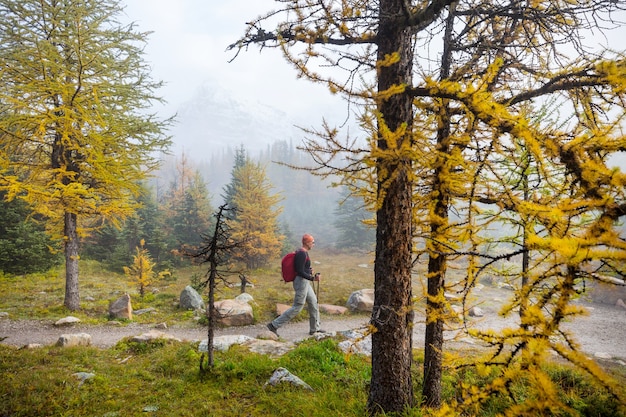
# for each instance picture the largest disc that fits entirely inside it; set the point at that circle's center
(302, 262)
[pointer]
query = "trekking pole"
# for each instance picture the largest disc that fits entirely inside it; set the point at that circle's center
(316, 291)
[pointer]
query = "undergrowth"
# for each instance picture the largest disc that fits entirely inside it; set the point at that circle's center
(163, 378)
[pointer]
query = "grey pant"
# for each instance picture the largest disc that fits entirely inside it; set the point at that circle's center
(304, 293)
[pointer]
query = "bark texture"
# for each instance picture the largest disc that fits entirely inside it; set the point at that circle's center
(391, 387)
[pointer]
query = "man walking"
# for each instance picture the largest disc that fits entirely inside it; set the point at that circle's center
(303, 291)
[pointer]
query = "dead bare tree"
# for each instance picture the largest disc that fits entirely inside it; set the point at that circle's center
(215, 251)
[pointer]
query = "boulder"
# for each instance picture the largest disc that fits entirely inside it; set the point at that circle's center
(121, 308)
(153, 335)
(269, 347)
(233, 313)
(244, 298)
(190, 299)
(67, 321)
(32, 346)
(223, 343)
(281, 308)
(144, 311)
(361, 300)
(357, 342)
(76, 339)
(263, 347)
(332, 309)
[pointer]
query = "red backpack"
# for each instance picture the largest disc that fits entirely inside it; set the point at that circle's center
(288, 267)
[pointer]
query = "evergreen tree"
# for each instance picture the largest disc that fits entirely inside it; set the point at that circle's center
(24, 245)
(353, 223)
(230, 189)
(188, 208)
(77, 138)
(114, 245)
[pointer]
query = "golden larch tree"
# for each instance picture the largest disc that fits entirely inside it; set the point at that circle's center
(77, 136)
(255, 223)
(443, 89)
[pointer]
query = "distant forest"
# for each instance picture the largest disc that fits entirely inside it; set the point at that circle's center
(176, 210)
(310, 204)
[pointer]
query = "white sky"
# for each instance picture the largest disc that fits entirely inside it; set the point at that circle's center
(188, 47)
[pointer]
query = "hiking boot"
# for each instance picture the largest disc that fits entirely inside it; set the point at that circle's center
(272, 329)
(312, 332)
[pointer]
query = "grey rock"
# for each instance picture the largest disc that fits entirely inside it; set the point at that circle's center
(32, 346)
(282, 375)
(153, 335)
(75, 339)
(234, 313)
(361, 300)
(190, 299)
(83, 376)
(476, 312)
(67, 321)
(223, 343)
(244, 298)
(144, 311)
(269, 347)
(121, 308)
(357, 342)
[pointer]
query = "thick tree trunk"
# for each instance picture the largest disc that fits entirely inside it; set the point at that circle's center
(391, 388)
(72, 296)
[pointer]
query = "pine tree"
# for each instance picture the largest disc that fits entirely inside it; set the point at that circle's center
(351, 223)
(230, 189)
(24, 245)
(76, 135)
(256, 221)
(188, 208)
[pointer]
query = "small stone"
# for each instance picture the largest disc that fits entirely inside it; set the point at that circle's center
(76, 339)
(144, 311)
(476, 312)
(67, 321)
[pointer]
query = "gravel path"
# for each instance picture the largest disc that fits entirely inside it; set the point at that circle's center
(603, 331)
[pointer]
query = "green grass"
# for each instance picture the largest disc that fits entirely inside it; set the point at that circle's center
(163, 378)
(166, 378)
(40, 296)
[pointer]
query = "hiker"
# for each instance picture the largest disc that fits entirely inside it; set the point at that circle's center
(304, 291)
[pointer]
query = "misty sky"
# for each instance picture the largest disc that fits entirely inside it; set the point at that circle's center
(188, 48)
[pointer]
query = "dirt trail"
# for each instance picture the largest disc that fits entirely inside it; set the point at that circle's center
(603, 331)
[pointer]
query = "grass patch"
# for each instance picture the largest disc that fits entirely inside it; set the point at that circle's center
(40, 296)
(165, 377)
